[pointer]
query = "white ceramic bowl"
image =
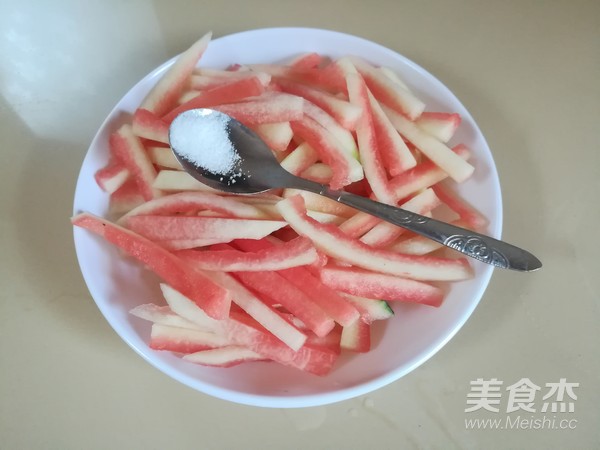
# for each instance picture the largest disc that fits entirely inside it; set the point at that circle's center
(403, 343)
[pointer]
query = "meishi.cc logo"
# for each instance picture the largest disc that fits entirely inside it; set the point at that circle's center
(522, 395)
(549, 406)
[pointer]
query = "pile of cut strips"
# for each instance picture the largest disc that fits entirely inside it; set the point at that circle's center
(286, 276)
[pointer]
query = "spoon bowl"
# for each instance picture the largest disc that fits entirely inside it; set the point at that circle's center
(254, 170)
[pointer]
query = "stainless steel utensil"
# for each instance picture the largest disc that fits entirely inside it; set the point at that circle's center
(256, 170)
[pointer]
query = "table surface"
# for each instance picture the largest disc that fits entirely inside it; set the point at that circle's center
(527, 71)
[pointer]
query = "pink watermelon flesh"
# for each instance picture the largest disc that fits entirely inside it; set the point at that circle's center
(345, 168)
(357, 337)
(213, 299)
(229, 93)
(264, 110)
(165, 93)
(112, 176)
(128, 148)
(161, 228)
(298, 252)
(224, 357)
(422, 176)
(336, 244)
(126, 198)
(193, 203)
(183, 340)
(293, 299)
(367, 141)
(469, 215)
(315, 359)
(377, 285)
(148, 125)
(332, 303)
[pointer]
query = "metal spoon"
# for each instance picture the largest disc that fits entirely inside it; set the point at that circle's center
(255, 170)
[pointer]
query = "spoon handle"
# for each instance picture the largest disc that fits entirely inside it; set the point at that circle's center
(478, 246)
